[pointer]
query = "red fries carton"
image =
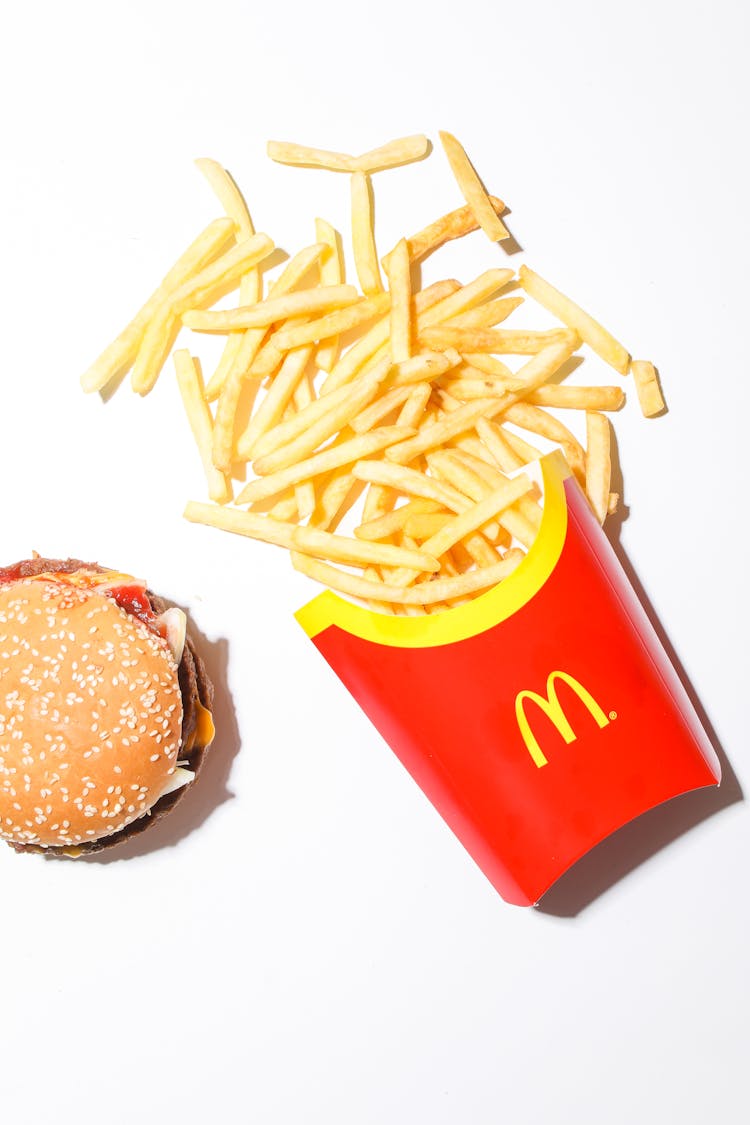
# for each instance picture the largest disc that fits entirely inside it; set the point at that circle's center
(537, 718)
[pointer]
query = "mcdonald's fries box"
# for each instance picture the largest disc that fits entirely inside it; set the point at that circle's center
(537, 718)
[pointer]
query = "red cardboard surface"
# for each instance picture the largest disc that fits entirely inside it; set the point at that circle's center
(540, 717)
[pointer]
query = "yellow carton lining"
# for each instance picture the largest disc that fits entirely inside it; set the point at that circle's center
(473, 617)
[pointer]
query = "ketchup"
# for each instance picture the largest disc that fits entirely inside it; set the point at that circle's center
(10, 574)
(134, 600)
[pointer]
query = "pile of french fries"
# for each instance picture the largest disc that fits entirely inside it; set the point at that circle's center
(398, 399)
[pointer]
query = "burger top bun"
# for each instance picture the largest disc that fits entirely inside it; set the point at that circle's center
(90, 715)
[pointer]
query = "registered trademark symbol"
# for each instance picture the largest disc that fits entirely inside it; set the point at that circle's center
(613, 714)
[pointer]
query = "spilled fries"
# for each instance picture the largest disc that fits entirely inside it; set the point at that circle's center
(382, 408)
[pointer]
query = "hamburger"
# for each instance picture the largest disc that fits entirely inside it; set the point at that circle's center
(105, 707)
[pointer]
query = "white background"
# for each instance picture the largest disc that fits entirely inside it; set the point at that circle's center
(306, 942)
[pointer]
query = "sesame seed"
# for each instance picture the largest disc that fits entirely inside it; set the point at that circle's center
(64, 684)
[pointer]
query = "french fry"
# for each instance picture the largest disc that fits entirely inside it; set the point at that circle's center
(537, 421)
(469, 481)
(489, 364)
(370, 348)
(456, 224)
(427, 367)
(298, 267)
(304, 494)
(280, 392)
(578, 398)
(524, 449)
(647, 388)
(423, 525)
(290, 429)
(270, 358)
(363, 236)
(470, 443)
(472, 189)
(464, 299)
(311, 541)
(500, 341)
(372, 574)
(346, 453)
(295, 271)
(494, 438)
(232, 200)
(349, 500)
(380, 409)
(395, 521)
(285, 509)
(121, 353)
(249, 295)
(405, 150)
(399, 287)
(527, 505)
(304, 303)
(332, 324)
(572, 449)
(448, 568)
(464, 418)
(478, 550)
(410, 482)
(424, 593)
(332, 272)
(202, 288)
(448, 404)
(199, 416)
(470, 520)
(253, 526)
(598, 463)
(407, 575)
(214, 279)
(339, 548)
(229, 195)
(229, 397)
(285, 152)
(333, 496)
(481, 467)
(413, 409)
(325, 427)
(376, 338)
(468, 389)
(534, 373)
(380, 498)
(486, 315)
(464, 560)
(267, 358)
(304, 393)
(466, 370)
(571, 314)
(449, 467)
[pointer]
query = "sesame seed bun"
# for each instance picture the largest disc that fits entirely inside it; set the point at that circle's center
(92, 716)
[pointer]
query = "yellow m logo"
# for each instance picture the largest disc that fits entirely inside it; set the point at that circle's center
(553, 710)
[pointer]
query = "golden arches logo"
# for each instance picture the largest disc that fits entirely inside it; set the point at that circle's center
(552, 708)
